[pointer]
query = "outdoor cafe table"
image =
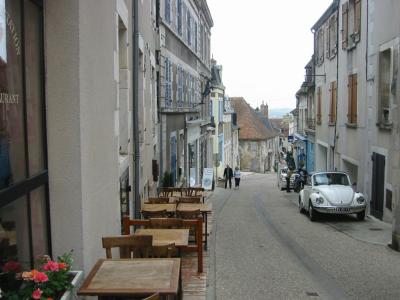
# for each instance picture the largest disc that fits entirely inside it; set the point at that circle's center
(169, 207)
(137, 277)
(205, 209)
(180, 237)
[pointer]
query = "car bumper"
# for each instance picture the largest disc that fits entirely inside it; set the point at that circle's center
(337, 210)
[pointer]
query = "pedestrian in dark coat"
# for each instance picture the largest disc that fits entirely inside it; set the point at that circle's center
(228, 174)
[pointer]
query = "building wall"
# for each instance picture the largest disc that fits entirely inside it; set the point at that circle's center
(148, 117)
(383, 34)
(325, 130)
(82, 132)
(350, 139)
(253, 155)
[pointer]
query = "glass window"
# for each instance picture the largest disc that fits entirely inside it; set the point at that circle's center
(34, 88)
(14, 233)
(12, 142)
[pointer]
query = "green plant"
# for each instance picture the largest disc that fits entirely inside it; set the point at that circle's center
(167, 179)
(47, 282)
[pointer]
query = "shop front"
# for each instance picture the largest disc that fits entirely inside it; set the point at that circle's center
(24, 205)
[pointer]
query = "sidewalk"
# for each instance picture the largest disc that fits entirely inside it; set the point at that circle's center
(371, 230)
(194, 285)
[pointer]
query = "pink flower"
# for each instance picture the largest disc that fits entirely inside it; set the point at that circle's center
(39, 276)
(37, 294)
(12, 266)
(51, 266)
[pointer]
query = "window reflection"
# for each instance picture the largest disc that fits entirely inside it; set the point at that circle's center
(14, 237)
(12, 146)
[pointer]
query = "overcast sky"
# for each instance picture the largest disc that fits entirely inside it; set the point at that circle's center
(263, 46)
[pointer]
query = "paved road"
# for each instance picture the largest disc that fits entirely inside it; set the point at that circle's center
(263, 248)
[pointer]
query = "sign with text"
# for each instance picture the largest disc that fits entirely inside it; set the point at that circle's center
(208, 175)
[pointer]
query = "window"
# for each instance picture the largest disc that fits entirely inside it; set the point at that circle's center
(167, 11)
(351, 24)
(180, 74)
(195, 37)
(319, 105)
(352, 100)
(320, 46)
(332, 37)
(332, 103)
(385, 58)
(23, 162)
(179, 16)
(189, 29)
(168, 83)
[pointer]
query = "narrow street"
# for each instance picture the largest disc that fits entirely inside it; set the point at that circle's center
(263, 248)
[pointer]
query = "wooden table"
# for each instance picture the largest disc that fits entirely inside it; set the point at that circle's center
(205, 209)
(169, 207)
(180, 237)
(138, 277)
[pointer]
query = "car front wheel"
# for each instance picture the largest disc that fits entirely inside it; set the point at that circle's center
(361, 215)
(300, 206)
(312, 214)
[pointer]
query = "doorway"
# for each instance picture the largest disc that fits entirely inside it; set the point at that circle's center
(378, 182)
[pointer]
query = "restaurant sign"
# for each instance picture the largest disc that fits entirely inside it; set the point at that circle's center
(208, 175)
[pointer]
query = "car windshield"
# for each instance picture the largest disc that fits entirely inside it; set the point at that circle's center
(331, 178)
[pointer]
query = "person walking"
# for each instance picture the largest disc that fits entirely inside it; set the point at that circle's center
(237, 177)
(228, 174)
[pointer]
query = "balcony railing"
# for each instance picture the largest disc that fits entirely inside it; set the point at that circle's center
(311, 124)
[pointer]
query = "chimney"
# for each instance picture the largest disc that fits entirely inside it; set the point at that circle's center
(264, 109)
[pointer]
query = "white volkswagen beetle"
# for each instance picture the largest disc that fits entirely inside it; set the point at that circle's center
(331, 193)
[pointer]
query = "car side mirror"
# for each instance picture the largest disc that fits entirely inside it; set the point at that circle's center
(354, 184)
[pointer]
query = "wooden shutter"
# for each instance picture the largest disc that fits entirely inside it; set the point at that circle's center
(354, 100)
(319, 105)
(332, 108)
(357, 16)
(345, 25)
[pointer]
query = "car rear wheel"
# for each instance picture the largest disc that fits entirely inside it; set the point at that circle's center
(361, 215)
(312, 214)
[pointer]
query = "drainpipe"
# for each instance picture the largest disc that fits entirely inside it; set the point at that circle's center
(135, 119)
(337, 87)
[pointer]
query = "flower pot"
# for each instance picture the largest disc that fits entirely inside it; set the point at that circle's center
(76, 282)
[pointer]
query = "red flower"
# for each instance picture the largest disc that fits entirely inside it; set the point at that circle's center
(51, 266)
(62, 266)
(39, 277)
(12, 266)
(37, 294)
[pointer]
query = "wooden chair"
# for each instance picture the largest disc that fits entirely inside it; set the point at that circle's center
(190, 215)
(166, 192)
(129, 245)
(193, 191)
(189, 200)
(158, 200)
(129, 224)
(164, 251)
(177, 190)
(153, 297)
(166, 223)
(147, 214)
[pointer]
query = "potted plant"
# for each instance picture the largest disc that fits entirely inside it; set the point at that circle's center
(52, 280)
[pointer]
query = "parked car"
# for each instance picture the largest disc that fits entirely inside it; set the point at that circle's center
(331, 193)
(282, 174)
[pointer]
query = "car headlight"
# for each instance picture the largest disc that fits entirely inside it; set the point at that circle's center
(360, 200)
(319, 200)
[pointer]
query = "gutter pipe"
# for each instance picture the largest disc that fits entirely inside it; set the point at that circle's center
(135, 119)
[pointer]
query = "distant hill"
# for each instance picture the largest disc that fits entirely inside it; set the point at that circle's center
(278, 112)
